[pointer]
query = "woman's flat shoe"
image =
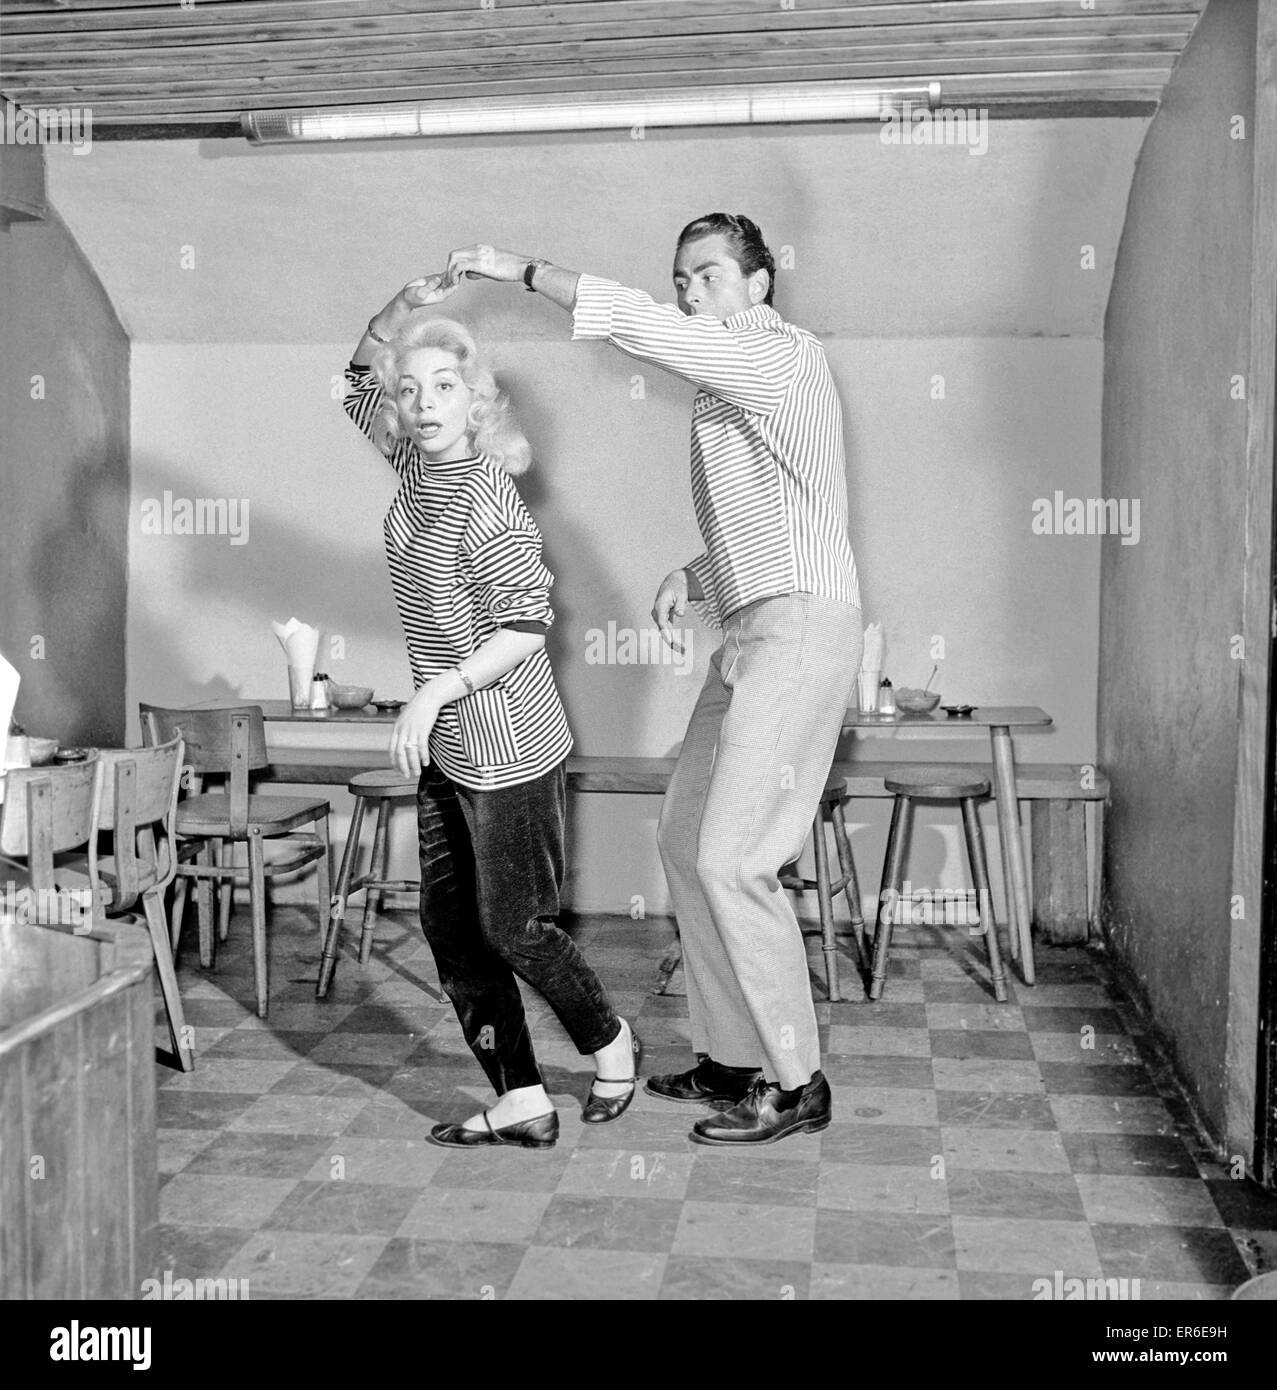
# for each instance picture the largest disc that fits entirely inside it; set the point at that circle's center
(540, 1132)
(600, 1109)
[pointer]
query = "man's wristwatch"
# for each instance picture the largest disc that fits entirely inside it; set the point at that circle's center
(530, 270)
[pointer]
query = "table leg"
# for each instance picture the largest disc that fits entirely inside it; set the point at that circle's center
(1013, 847)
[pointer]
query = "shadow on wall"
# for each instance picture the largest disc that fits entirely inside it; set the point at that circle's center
(72, 664)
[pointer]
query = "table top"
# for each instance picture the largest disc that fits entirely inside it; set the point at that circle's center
(282, 712)
(982, 717)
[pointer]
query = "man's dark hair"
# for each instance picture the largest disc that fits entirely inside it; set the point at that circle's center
(748, 248)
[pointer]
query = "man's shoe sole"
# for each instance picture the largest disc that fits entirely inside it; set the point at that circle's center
(712, 1098)
(804, 1127)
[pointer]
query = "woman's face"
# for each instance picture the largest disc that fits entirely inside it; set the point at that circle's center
(433, 403)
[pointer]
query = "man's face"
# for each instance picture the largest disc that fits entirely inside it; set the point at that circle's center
(709, 282)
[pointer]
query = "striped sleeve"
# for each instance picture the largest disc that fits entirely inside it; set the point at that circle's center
(751, 373)
(362, 401)
(512, 582)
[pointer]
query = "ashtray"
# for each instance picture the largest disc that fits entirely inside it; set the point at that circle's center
(958, 711)
(385, 706)
(71, 755)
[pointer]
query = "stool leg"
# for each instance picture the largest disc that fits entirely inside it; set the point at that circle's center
(851, 883)
(323, 883)
(893, 878)
(984, 896)
(825, 898)
(337, 908)
(372, 894)
(257, 896)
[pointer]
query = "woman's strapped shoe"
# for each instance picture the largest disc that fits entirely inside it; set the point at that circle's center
(540, 1132)
(706, 1083)
(600, 1109)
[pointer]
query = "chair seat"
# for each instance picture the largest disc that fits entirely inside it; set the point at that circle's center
(935, 783)
(210, 812)
(835, 789)
(383, 782)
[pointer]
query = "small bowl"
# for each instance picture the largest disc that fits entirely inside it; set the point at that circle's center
(917, 701)
(349, 696)
(41, 750)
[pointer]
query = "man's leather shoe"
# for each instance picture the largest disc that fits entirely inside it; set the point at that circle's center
(767, 1114)
(540, 1132)
(706, 1083)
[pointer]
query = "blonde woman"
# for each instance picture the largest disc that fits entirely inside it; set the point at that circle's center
(485, 732)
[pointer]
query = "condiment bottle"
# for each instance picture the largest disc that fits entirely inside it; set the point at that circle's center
(886, 697)
(319, 693)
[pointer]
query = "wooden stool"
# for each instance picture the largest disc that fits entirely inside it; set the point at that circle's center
(831, 799)
(384, 787)
(910, 784)
(827, 889)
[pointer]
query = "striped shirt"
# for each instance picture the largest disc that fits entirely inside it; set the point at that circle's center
(768, 469)
(465, 562)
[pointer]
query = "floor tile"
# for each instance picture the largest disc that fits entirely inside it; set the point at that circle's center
(554, 1273)
(898, 1238)
(496, 1215)
(986, 1074)
(342, 1207)
(1130, 1155)
(1112, 1114)
(1182, 1254)
(880, 1187)
(722, 1177)
(609, 1223)
(705, 1277)
(745, 1231)
(206, 1199)
(894, 1282)
(1147, 1201)
(1019, 1194)
(991, 1110)
(1013, 1245)
(304, 1265)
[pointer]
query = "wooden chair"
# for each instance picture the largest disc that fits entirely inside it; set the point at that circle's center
(48, 811)
(138, 792)
(232, 743)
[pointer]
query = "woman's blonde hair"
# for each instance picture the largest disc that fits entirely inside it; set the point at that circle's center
(491, 423)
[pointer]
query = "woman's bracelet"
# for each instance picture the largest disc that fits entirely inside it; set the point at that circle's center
(375, 336)
(465, 680)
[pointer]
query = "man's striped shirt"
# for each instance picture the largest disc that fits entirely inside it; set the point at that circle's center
(465, 562)
(768, 469)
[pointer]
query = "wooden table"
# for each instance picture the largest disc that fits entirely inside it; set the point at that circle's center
(597, 774)
(999, 720)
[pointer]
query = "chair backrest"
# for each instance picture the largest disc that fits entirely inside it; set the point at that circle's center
(207, 734)
(139, 791)
(229, 741)
(48, 810)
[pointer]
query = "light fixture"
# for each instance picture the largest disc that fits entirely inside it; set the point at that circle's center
(779, 104)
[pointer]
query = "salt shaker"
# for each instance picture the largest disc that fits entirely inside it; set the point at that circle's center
(886, 698)
(319, 693)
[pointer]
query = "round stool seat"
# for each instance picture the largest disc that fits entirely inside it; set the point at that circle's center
(835, 789)
(384, 782)
(936, 783)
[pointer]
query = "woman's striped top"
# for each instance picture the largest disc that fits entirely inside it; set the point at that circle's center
(465, 561)
(768, 469)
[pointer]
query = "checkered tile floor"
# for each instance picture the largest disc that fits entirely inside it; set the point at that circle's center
(976, 1148)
